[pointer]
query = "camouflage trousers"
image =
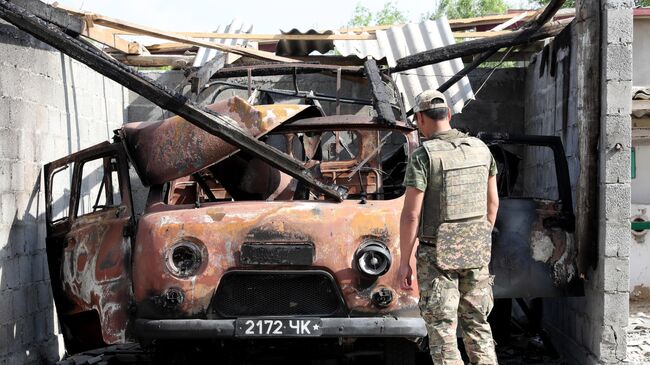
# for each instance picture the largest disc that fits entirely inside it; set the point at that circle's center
(447, 297)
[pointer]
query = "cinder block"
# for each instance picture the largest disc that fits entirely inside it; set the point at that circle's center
(28, 331)
(616, 129)
(617, 25)
(618, 61)
(19, 300)
(9, 149)
(615, 165)
(615, 201)
(44, 295)
(613, 345)
(25, 262)
(615, 238)
(32, 299)
(17, 175)
(9, 212)
(5, 176)
(616, 278)
(617, 4)
(616, 309)
(6, 307)
(618, 96)
(7, 340)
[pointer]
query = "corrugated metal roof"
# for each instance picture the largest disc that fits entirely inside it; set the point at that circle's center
(400, 41)
(641, 102)
(289, 48)
(235, 27)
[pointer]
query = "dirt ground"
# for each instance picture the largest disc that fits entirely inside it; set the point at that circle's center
(638, 333)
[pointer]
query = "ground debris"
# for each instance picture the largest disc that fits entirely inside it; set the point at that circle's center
(638, 333)
(522, 349)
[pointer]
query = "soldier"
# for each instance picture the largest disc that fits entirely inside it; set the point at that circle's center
(451, 191)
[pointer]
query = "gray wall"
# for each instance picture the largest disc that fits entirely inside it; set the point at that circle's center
(641, 52)
(597, 72)
(550, 95)
(50, 106)
(499, 105)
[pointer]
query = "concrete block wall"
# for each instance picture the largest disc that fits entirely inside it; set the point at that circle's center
(499, 105)
(614, 180)
(596, 131)
(50, 106)
(550, 111)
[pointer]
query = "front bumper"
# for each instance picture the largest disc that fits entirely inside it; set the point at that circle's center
(331, 327)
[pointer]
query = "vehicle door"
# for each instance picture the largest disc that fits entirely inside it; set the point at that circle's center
(90, 221)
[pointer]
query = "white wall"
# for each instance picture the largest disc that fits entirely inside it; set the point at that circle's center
(50, 106)
(641, 52)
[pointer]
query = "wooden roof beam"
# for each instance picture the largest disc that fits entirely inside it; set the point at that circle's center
(172, 36)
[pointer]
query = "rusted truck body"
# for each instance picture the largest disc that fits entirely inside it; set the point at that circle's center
(231, 248)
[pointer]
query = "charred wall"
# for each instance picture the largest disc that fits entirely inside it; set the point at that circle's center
(499, 105)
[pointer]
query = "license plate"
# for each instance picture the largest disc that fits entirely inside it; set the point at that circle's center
(278, 327)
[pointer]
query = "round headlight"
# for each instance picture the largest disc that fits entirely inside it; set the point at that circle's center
(184, 259)
(373, 258)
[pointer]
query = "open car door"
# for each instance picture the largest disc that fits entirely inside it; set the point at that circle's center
(89, 226)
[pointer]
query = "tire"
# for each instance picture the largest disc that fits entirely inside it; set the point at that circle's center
(399, 352)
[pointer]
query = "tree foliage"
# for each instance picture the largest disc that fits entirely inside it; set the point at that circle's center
(457, 9)
(388, 15)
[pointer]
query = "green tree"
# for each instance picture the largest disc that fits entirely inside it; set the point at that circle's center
(388, 15)
(458, 9)
(362, 17)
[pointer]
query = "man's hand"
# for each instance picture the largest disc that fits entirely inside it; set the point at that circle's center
(405, 276)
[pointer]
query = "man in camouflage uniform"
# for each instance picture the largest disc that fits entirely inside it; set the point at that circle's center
(450, 205)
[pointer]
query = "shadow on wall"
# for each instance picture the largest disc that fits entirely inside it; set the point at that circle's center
(45, 94)
(27, 333)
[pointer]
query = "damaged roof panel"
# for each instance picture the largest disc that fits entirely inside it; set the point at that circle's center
(400, 41)
(235, 27)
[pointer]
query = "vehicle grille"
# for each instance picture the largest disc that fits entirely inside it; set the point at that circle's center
(277, 293)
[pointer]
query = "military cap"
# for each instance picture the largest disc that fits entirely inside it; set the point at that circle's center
(429, 99)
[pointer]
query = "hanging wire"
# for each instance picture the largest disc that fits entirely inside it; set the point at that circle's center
(489, 75)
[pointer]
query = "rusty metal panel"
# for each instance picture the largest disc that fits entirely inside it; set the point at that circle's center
(172, 148)
(334, 230)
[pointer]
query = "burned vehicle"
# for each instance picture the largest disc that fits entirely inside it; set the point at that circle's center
(229, 247)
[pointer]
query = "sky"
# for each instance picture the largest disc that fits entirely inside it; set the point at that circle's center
(266, 16)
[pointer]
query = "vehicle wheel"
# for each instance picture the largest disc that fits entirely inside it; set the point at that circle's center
(399, 352)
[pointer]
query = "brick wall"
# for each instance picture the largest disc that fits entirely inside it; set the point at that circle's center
(50, 106)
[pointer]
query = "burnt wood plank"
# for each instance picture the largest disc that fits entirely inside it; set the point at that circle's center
(71, 23)
(380, 94)
(213, 123)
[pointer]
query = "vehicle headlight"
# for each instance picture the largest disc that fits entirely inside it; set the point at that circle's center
(372, 258)
(184, 258)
